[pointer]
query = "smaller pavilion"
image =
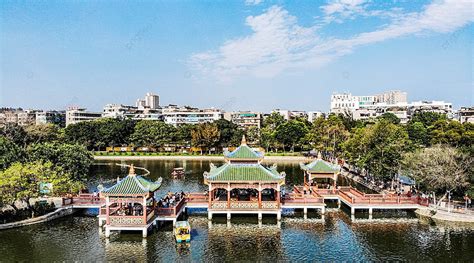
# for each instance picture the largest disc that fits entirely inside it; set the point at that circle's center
(243, 185)
(130, 204)
(320, 173)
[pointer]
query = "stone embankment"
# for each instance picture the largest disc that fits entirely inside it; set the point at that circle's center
(438, 217)
(59, 212)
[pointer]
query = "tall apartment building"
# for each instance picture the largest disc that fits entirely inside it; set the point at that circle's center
(51, 116)
(245, 119)
(76, 115)
(177, 115)
(150, 101)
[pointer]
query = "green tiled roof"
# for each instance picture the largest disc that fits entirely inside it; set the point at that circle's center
(133, 184)
(244, 152)
(320, 166)
(230, 172)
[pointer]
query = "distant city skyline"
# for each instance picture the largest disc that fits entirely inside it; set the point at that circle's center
(237, 55)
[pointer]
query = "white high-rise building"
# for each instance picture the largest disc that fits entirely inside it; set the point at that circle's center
(152, 101)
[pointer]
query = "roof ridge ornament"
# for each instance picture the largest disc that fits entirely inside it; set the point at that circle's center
(132, 170)
(244, 141)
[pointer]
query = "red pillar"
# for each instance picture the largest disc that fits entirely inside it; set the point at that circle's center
(259, 199)
(228, 197)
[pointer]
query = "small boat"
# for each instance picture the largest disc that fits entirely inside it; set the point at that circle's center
(182, 231)
(178, 172)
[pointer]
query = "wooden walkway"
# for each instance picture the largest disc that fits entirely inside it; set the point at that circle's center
(301, 197)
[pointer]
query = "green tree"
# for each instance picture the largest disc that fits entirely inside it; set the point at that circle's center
(84, 133)
(253, 135)
(390, 117)
(15, 133)
(113, 132)
(291, 133)
(418, 133)
(427, 118)
(9, 152)
(74, 159)
(153, 133)
(329, 134)
(205, 135)
(21, 182)
(230, 133)
(380, 148)
(183, 134)
(439, 168)
(42, 133)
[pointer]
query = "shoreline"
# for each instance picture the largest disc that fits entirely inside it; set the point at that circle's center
(198, 158)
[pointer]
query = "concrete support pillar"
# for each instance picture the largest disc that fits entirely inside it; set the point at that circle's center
(305, 213)
(370, 211)
(279, 215)
(260, 216)
(174, 222)
(209, 215)
(107, 232)
(101, 222)
(229, 216)
(338, 203)
(145, 232)
(323, 210)
(370, 217)
(352, 211)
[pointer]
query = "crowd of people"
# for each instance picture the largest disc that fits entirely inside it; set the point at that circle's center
(171, 199)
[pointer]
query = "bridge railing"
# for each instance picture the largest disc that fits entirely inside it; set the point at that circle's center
(170, 211)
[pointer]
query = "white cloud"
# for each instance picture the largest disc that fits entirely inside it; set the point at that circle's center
(278, 43)
(253, 2)
(343, 6)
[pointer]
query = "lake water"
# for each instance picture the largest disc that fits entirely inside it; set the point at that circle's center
(394, 237)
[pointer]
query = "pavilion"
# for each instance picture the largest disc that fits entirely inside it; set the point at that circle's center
(320, 172)
(130, 204)
(243, 185)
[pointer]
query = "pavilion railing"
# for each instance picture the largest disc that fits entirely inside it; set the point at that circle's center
(126, 220)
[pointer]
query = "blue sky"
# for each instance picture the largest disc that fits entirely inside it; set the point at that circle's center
(248, 54)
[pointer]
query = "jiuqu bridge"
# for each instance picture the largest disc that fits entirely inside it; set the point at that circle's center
(240, 186)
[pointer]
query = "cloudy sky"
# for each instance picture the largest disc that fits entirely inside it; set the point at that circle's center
(237, 54)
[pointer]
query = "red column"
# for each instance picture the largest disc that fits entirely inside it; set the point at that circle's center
(144, 210)
(107, 209)
(278, 198)
(259, 199)
(228, 197)
(210, 198)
